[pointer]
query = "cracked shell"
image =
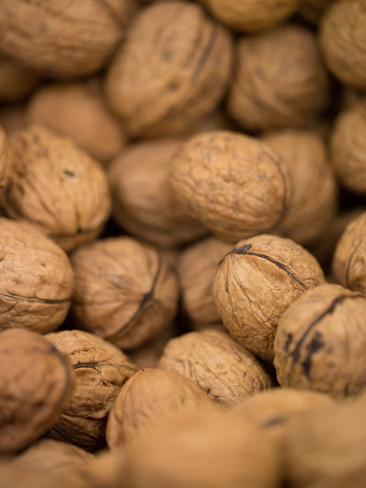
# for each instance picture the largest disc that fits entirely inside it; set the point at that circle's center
(255, 284)
(321, 341)
(5, 161)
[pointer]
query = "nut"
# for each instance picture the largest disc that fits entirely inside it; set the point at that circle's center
(12, 117)
(16, 81)
(5, 162)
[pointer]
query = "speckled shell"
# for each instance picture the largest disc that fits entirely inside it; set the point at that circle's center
(16, 81)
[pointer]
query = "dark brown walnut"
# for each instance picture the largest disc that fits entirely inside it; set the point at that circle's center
(77, 110)
(16, 81)
(280, 80)
(234, 184)
(255, 284)
(37, 279)
(149, 397)
(143, 201)
(343, 41)
(124, 291)
(36, 384)
(5, 161)
(320, 342)
(313, 10)
(100, 370)
(173, 69)
(304, 155)
(56, 186)
(217, 364)
(64, 38)
(12, 117)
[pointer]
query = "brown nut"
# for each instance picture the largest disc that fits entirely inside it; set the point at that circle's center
(256, 282)
(124, 291)
(36, 384)
(13, 475)
(148, 398)
(217, 364)
(142, 199)
(100, 370)
(5, 161)
(172, 70)
(37, 279)
(64, 38)
(56, 186)
(12, 117)
(320, 342)
(16, 81)
(313, 10)
(280, 80)
(234, 184)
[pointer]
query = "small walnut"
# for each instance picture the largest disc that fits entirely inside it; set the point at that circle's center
(16, 81)
(320, 342)
(313, 10)
(56, 186)
(343, 41)
(100, 370)
(124, 291)
(147, 398)
(280, 80)
(36, 279)
(256, 282)
(217, 364)
(142, 199)
(173, 69)
(234, 184)
(5, 162)
(36, 384)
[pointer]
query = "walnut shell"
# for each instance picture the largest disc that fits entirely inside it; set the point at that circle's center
(37, 279)
(5, 161)
(217, 364)
(149, 397)
(320, 342)
(12, 117)
(82, 115)
(36, 384)
(167, 76)
(124, 291)
(16, 81)
(256, 282)
(100, 370)
(142, 199)
(64, 38)
(56, 186)
(313, 10)
(11, 475)
(343, 41)
(280, 80)
(234, 184)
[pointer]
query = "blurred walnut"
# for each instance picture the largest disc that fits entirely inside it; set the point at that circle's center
(12, 475)
(216, 120)
(16, 81)
(313, 10)
(5, 161)
(124, 291)
(12, 117)
(148, 355)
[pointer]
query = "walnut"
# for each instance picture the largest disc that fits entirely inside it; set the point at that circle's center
(217, 364)
(12, 117)
(256, 282)
(100, 370)
(234, 184)
(13, 475)
(82, 115)
(37, 279)
(320, 342)
(313, 10)
(173, 69)
(36, 384)
(148, 397)
(280, 80)
(56, 186)
(16, 81)
(5, 161)
(124, 291)
(142, 199)
(64, 38)
(343, 41)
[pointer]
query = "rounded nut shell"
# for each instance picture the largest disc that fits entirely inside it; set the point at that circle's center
(16, 81)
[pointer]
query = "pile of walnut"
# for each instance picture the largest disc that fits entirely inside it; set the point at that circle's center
(183, 243)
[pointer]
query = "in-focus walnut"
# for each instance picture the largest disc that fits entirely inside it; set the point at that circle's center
(36, 279)
(173, 69)
(56, 186)
(100, 370)
(16, 81)
(321, 340)
(36, 384)
(124, 291)
(280, 80)
(149, 397)
(143, 201)
(304, 155)
(64, 38)
(234, 184)
(348, 147)
(77, 110)
(5, 161)
(197, 267)
(217, 364)
(313, 10)
(256, 282)
(343, 41)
